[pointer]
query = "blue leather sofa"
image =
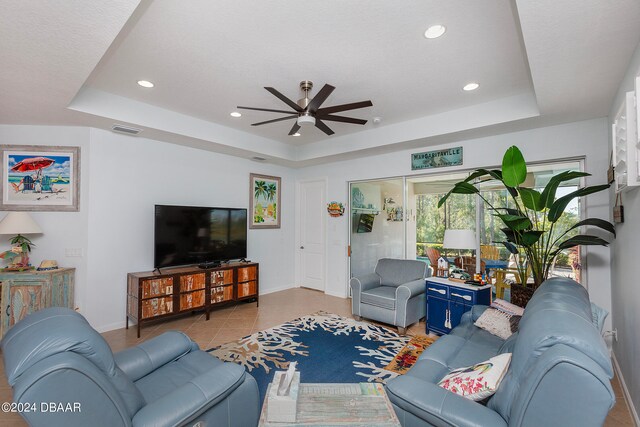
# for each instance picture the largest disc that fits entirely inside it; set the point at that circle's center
(559, 374)
(55, 357)
(394, 293)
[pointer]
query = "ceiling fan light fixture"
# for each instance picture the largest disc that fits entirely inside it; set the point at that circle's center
(306, 120)
(235, 114)
(296, 134)
(435, 31)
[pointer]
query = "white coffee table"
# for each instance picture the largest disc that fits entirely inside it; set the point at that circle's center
(360, 404)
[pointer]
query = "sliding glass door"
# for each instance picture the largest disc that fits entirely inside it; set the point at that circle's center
(377, 223)
(400, 218)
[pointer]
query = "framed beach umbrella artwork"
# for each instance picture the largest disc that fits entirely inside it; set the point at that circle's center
(39, 178)
(264, 204)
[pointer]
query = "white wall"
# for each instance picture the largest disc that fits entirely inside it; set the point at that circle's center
(61, 230)
(588, 138)
(625, 293)
(122, 179)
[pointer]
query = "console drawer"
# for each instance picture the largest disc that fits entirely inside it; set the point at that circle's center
(461, 295)
(437, 290)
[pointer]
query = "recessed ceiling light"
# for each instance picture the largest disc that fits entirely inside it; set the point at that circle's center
(145, 83)
(435, 31)
(235, 114)
(296, 134)
(471, 86)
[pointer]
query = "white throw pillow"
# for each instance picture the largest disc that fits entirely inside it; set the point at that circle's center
(498, 322)
(479, 381)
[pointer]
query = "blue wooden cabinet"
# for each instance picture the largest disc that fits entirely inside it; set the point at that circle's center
(447, 301)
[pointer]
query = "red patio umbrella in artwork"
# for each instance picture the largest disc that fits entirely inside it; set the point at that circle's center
(32, 164)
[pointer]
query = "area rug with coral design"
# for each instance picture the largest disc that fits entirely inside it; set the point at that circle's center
(328, 348)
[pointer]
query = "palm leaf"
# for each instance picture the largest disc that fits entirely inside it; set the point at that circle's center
(514, 168)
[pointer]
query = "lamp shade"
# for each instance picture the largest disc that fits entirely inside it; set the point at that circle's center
(459, 239)
(19, 223)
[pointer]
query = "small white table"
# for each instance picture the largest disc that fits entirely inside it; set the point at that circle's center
(361, 404)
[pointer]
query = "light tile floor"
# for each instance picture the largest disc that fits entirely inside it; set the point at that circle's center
(234, 322)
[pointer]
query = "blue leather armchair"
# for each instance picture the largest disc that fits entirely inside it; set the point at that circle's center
(393, 294)
(559, 374)
(55, 356)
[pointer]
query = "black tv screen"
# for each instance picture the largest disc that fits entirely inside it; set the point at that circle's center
(197, 235)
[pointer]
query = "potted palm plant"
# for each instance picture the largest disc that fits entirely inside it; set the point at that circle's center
(531, 225)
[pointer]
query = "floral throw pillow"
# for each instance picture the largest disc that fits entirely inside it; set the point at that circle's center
(498, 322)
(479, 381)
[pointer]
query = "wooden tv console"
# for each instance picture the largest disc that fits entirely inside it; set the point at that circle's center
(153, 295)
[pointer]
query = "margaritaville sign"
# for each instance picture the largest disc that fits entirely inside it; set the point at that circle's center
(436, 158)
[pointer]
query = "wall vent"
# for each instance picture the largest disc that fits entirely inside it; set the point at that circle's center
(125, 129)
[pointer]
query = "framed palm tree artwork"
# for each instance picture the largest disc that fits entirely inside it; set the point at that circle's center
(264, 205)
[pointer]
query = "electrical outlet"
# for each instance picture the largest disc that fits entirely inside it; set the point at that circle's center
(73, 252)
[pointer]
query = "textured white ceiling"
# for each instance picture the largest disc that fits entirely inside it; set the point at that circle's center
(48, 49)
(206, 59)
(537, 61)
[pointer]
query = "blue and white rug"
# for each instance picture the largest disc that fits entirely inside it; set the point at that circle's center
(328, 348)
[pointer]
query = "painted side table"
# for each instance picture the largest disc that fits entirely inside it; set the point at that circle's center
(328, 405)
(24, 292)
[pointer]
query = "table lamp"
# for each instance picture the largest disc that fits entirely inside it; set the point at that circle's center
(459, 239)
(19, 223)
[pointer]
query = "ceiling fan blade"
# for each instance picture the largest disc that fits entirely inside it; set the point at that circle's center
(275, 120)
(342, 119)
(295, 128)
(284, 99)
(324, 128)
(265, 109)
(344, 107)
(320, 97)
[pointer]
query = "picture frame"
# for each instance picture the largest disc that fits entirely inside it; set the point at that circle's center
(264, 201)
(39, 178)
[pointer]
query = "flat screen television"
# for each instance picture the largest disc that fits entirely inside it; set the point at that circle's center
(198, 235)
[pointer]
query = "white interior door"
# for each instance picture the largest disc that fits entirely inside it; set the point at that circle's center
(313, 215)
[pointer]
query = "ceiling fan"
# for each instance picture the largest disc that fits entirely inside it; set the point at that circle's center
(308, 112)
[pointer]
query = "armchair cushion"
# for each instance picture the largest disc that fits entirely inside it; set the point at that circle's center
(143, 359)
(193, 396)
(438, 406)
(395, 272)
(52, 331)
(382, 296)
(175, 374)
